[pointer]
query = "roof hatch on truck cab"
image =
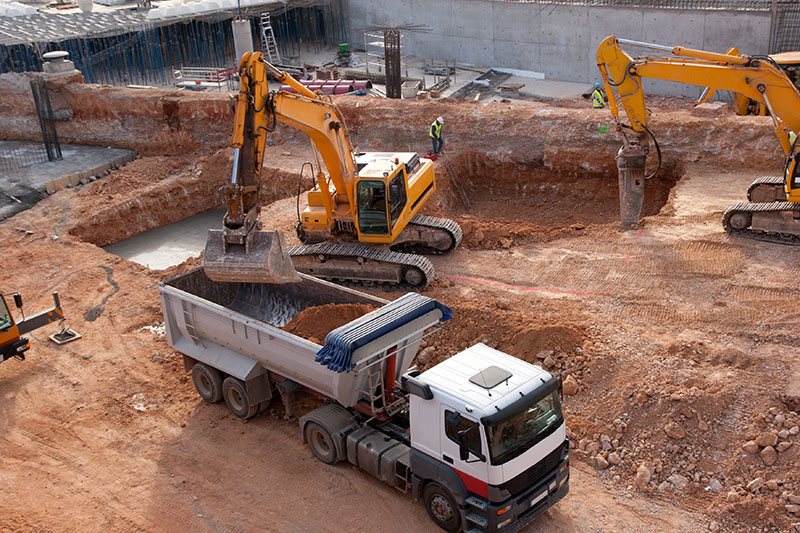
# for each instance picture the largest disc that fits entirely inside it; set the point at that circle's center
(490, 377)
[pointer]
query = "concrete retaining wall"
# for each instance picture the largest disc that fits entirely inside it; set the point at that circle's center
(558, 40)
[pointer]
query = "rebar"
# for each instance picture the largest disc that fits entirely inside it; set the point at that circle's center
(391, 46)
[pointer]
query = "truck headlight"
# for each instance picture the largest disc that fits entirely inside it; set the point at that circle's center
(504, 523)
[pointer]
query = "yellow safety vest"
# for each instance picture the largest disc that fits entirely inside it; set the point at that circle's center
(436, 130)
(597, 98)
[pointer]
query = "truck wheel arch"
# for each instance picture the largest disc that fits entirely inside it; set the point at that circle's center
(427, 470)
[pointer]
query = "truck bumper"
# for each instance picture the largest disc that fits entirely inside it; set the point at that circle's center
(16, 349)
(527, 506)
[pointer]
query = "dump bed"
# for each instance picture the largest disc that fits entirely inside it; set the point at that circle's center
(235, 327)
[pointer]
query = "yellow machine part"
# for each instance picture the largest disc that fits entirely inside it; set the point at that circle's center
(263, 260)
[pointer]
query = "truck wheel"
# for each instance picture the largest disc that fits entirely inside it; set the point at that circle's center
(321, 444)
(235, 394)
(441, 507)
(208, 382)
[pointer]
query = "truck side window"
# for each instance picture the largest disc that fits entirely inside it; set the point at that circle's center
(5, 315)
(454, 424)
(397, 196)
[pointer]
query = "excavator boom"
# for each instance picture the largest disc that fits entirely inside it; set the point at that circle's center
(241, 252)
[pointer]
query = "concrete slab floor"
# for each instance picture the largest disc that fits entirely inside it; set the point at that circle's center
(22, 187)
(412, 67)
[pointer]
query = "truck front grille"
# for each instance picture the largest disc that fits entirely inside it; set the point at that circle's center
(536, 473)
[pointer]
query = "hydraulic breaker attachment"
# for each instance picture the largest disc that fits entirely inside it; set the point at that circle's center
(261, 258)
(630, 163)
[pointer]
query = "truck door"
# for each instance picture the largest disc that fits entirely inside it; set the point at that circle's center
(473, 471)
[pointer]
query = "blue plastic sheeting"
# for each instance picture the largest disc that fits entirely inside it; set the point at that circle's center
(337, 354)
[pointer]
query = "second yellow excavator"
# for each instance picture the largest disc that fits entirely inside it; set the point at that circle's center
(773, 211)
(788, 62)
(363, 213)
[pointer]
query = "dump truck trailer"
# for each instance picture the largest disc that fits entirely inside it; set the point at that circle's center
(480, 437)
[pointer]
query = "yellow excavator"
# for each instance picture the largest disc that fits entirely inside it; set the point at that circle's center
(12, 342)
(362, 223)
(773, 210)
(788, 62)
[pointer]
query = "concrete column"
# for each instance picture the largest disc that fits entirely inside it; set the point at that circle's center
(242, 38)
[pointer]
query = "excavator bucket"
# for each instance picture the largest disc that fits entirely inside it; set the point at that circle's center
(265, 260)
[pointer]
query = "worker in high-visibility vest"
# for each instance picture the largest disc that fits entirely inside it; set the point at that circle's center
(597, 97)
(436, 135)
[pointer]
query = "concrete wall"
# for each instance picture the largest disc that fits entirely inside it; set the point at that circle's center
(558, 40)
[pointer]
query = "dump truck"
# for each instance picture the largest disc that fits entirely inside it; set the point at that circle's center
(479, 438)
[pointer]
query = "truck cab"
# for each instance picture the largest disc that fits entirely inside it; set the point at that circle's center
(489, 450)
(11, 344)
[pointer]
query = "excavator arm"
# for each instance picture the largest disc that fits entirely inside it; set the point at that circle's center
(240, 252)
(755, 78)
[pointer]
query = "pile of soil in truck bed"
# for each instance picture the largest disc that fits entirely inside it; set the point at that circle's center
(314, 323)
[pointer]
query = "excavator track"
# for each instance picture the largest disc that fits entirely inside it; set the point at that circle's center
(424, 222)
(767, 189)
(362, 265)
(737, 221)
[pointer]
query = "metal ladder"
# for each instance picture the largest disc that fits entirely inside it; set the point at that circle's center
(375, 383)
(268, 44)
(188, 320)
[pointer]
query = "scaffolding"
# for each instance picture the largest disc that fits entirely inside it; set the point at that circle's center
(125, 48)
(375, 51)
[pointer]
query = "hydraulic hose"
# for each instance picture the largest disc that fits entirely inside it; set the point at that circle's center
(300, 187)
(658, 151)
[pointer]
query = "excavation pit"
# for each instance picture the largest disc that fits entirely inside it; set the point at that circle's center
(169, 245)
(526, 202)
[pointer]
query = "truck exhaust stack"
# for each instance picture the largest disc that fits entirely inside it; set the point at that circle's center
(263, 259)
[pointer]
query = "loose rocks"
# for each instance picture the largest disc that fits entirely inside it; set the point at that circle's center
(674, 431)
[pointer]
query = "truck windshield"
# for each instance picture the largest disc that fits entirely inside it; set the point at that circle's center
(5, 315)
(372, 217)
(515, 435)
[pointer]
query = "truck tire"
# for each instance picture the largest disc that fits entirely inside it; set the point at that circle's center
(208, 382)
(235, 394)
(442, 507)
(321, 443)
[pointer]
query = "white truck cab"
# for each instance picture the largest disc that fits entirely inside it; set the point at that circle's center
(489, 450)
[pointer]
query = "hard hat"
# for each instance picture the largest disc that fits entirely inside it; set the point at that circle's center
(596, 85)
(440, 120)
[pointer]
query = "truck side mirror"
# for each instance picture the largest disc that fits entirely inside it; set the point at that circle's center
(463, 451)
(560, 388)
(18, 300)
(463, 448)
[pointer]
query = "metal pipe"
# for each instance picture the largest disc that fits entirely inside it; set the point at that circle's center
(646, 45)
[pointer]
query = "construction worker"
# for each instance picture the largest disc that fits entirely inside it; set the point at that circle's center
(597, 97)
(436, 135)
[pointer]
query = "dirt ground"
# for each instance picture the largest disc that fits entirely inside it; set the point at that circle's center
(679, 345)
